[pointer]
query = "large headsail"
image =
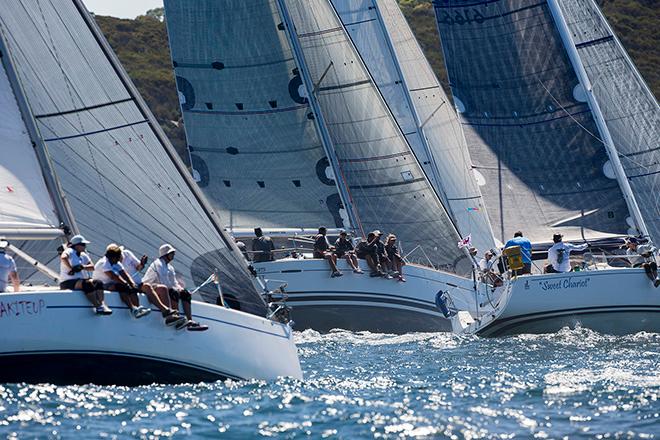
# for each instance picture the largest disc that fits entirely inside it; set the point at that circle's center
(528, 125)
(248, 123)
(26, 207)
(387, 186)
(629, 109)
(397, 64)
(122, 178)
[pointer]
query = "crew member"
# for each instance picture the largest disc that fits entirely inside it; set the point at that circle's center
(8, 269)
(559, 254)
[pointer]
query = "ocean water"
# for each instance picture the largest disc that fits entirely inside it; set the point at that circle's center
(571, 384)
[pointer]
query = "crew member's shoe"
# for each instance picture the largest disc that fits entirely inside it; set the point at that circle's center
(337, 274)
(103, 310)
(196, 326)
(358, 270)
(656, 282)
(140, 311)
(182, 323)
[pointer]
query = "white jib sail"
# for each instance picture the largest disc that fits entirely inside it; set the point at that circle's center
(25, 203)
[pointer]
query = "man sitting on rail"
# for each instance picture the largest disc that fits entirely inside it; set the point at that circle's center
(322, 249)
(643, 255)
(162, 274)
(8, 269)
(75, 263)
(344, 248)
(111, 272)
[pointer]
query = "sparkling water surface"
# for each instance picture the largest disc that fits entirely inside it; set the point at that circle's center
(571, 384)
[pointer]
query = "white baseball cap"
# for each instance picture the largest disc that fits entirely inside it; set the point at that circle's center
(78, 239)
(165, 249)
(3, 244)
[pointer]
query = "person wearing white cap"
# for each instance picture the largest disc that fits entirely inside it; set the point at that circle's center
(75, 263)
(162, 275)
(159, 298)
(8, 269)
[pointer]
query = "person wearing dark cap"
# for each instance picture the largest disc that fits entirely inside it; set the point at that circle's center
(643, 255)
(525, 250)
(559, 255)
(344, 249)
(263, 247)
(367, 250)
(322, 249)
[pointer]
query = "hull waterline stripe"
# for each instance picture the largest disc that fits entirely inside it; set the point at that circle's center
(120, 353)
(364, 296)
(502, 325)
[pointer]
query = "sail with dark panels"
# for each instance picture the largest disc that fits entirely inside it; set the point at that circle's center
(629, 108)
(410, 88)
(251, 133)
(388, 188)
(121, 178)
(531, 133)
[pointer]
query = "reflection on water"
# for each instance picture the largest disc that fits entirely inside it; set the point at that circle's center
(573, 383)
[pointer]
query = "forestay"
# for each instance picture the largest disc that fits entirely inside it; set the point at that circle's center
(25, 203)
(248, 123)
(121, 176)
(387, 185)
(629, 108)
(531, 134)
(403, 75)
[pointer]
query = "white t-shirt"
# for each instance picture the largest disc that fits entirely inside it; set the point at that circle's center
(160, 272)
(559, 255)
(7, 266)
(74, 260)
(131, 263)
(486, 265)
(102, 266)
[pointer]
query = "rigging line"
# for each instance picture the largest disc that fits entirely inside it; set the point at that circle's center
(69, 86)
(569, 114)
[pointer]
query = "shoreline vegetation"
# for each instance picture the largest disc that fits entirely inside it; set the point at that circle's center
(142, 47)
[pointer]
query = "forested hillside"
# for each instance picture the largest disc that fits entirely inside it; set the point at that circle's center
(141, 45)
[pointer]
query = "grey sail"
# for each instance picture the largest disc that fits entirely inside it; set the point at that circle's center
(530, 131)
(397, 64)
(629, 108)
(247, 120)
(387, 186)
(120, 176)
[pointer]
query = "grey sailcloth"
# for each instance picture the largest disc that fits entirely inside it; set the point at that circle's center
(629, 108)
(397, 64)
(387, 185)
(119, 173)
(531, 134)
(247, 119)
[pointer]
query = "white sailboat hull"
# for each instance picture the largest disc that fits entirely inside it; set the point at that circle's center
(362, 303)
(53, 336)
(613, 301)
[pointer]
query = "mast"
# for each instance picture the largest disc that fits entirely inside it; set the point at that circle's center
(319, 119)
(63, 210)
(581, 73)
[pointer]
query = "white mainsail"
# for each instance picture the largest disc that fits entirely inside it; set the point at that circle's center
(26, 207)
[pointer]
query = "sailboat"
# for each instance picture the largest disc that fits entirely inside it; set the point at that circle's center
(565, 139)
(289, 127)
(81, 153)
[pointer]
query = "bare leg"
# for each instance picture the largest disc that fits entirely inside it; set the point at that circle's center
(164, 296)
(349, 260)
(154, 298)
(187, 309)
(91, 296)
(332, 261)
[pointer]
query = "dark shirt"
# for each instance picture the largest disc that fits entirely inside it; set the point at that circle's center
(380, 247)
(363, 249)
(321, 245)
(342, 246)
(392, 251)
(264, 247)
